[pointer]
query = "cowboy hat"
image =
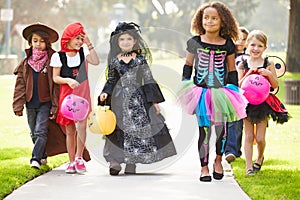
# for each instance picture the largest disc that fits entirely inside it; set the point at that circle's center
(53, 35)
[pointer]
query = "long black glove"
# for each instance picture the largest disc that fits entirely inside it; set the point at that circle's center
(187, 72)
(233, 78)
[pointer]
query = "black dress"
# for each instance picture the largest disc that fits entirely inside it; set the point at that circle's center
(141, 136)
(272, 107)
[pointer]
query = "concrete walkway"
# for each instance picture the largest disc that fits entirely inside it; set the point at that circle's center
(177, 182)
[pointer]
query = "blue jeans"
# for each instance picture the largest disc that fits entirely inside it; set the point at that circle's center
(234, 138)
(38, 119)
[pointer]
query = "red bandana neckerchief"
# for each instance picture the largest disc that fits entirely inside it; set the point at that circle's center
(38, 59)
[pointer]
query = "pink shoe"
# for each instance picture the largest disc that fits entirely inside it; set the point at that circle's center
(79, 165)
(71, 168)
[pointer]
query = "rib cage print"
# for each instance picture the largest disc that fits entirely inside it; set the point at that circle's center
(210, 68)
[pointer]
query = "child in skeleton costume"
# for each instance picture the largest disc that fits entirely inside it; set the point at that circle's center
(141, 136)
(213, 96)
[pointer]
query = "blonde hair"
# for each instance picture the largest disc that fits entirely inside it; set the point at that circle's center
(259, 35)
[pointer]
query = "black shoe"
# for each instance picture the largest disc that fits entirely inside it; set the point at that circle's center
(130, 169)
(205, 178)
(250, 172)
(256, 166)
(218, 176)
(114, 168)
(114, 172)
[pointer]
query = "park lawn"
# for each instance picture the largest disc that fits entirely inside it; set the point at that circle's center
(279, 177)
(16, 145)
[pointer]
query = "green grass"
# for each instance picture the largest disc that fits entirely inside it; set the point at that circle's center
(279, 177)
(280, 174)
(273, 182)
(16, 145)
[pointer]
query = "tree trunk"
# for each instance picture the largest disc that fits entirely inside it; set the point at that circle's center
(293, 50)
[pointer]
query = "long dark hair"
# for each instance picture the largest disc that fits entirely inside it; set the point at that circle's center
(134, 30)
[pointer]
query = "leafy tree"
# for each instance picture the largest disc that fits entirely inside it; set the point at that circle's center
(293, 51)
(97, 15)
(176, 21)
(56, 14)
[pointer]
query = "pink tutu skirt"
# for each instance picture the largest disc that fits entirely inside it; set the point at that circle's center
(213, 105)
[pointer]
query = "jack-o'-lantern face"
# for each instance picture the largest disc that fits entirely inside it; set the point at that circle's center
(74, 107)
(102, 121)
(257, 89)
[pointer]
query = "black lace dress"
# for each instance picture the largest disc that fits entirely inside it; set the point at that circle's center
(141, 136)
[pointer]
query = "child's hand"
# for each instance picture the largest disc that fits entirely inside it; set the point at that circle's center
(86, 39)
(19, 113)
(157, 108)
(264, 72)
(252, 71)
(52, 116)
(103, 96)
(73, 83)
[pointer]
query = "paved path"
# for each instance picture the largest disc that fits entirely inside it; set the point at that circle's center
(177, 182)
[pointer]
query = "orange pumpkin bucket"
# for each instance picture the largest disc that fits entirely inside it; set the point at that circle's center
(102, 120)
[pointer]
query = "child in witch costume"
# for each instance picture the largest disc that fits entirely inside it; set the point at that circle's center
(141, 135)
(35, 88)
(70, 71)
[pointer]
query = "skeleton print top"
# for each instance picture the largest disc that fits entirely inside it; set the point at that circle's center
(210, 62)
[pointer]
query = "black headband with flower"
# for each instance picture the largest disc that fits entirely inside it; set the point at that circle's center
(123, 27)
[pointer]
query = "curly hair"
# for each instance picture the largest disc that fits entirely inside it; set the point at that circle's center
(229, 25)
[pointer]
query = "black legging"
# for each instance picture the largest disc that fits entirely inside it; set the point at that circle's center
(203, 142)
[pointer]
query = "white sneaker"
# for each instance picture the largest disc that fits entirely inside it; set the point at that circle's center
(44, 161)
(71, 168)
(79, 165)
(226, 166)
(35, 164)
(230, 158)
